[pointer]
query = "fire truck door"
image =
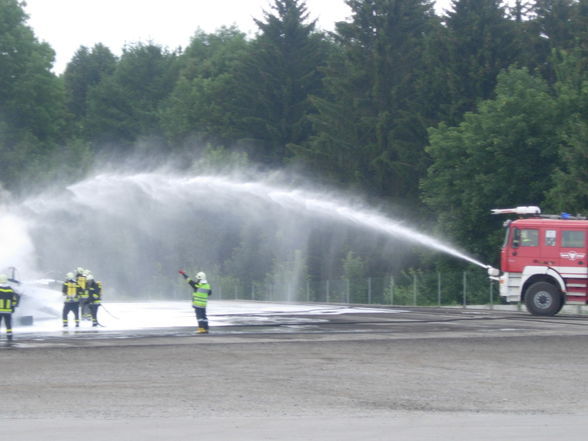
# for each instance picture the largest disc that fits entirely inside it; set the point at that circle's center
(523, 249)
(549, 254)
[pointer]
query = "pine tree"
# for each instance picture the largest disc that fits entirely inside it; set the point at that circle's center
(371, 129)
(280, 74)
(482, 42)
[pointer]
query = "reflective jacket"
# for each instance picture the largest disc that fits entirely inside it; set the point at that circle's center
(71, 290)
(200, 294)
(8, 299)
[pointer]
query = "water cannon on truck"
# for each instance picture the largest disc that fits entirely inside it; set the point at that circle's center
(543, 261)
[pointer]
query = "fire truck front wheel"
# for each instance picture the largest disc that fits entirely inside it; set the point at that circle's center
(543, 298)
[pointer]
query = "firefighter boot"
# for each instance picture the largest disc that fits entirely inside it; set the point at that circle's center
(202, 331)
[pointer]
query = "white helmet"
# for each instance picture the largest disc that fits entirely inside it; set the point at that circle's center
(79, 270)
(201, 276)
(69, 276)
(90, 277)
(87, 272)
(3, 278)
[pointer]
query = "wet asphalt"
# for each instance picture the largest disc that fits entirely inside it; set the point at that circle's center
(380, 374)
(398, 323)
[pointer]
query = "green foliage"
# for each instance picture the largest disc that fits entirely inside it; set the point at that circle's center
(481, 41)
(32, 112)
(280, 73)
(503, 155)
(570, 190)
(86, 69)
(371, 127)
(354, 272)
(124, 106)
(206, 97)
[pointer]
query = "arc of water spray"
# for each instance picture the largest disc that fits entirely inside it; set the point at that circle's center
(159, 184)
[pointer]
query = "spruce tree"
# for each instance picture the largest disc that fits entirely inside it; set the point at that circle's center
(371, 128)
(279, 75)
(482, 42)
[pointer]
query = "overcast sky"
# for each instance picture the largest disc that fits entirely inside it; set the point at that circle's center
(68, 24)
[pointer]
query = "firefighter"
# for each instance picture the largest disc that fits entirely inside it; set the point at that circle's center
(95, 297)
(8, 302)
(71, 290)
(199, 299)
(81, 278)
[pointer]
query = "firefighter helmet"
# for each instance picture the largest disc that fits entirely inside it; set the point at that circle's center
(3, 278)
(201, 276)
(69, 276)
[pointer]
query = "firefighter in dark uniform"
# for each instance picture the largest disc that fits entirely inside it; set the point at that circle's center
(94, 297)
(199, 299)
(8, 301)
(71, 290)
(81, 278)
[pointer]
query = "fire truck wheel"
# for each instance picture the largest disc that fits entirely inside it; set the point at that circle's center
(543, 298)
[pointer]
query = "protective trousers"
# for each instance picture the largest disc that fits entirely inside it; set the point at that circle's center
(8, 322)
(94, 312)
(71, 307)
(201, 317)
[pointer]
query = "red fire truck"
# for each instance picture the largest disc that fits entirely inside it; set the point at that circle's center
(543, 261)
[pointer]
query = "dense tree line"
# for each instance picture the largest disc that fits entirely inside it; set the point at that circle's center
(446, 116)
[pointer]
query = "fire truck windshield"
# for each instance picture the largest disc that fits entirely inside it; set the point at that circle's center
(525, 237)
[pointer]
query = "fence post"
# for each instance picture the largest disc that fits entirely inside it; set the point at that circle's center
(307, 290)
(414, 289)
(327, 288)
(348, 291)
(439, 288)
(252, 291)
(392, 290)
(491, 295)
(464, 289)
(369, 290)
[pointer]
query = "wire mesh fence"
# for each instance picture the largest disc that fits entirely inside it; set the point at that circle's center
(413, 288)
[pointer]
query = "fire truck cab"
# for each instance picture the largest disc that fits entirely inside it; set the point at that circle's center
(543, 260)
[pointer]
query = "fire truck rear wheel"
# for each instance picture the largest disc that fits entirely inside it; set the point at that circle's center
(543, 298)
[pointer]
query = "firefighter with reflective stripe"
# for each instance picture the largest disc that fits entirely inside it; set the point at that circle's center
(8, 301)
(94, 297)
(71, 303)
(82, 278)
(200, 296)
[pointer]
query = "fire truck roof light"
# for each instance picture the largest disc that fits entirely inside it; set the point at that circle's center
(517, 210)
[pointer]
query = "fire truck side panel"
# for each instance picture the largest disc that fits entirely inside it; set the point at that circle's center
(546, 250)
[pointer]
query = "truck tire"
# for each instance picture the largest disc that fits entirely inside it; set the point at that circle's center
(543, 298)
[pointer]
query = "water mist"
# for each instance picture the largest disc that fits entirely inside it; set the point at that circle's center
(134, 230)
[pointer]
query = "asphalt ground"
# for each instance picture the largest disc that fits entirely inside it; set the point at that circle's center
(409, 374)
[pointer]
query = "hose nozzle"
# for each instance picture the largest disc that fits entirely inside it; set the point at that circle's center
(492, 272)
